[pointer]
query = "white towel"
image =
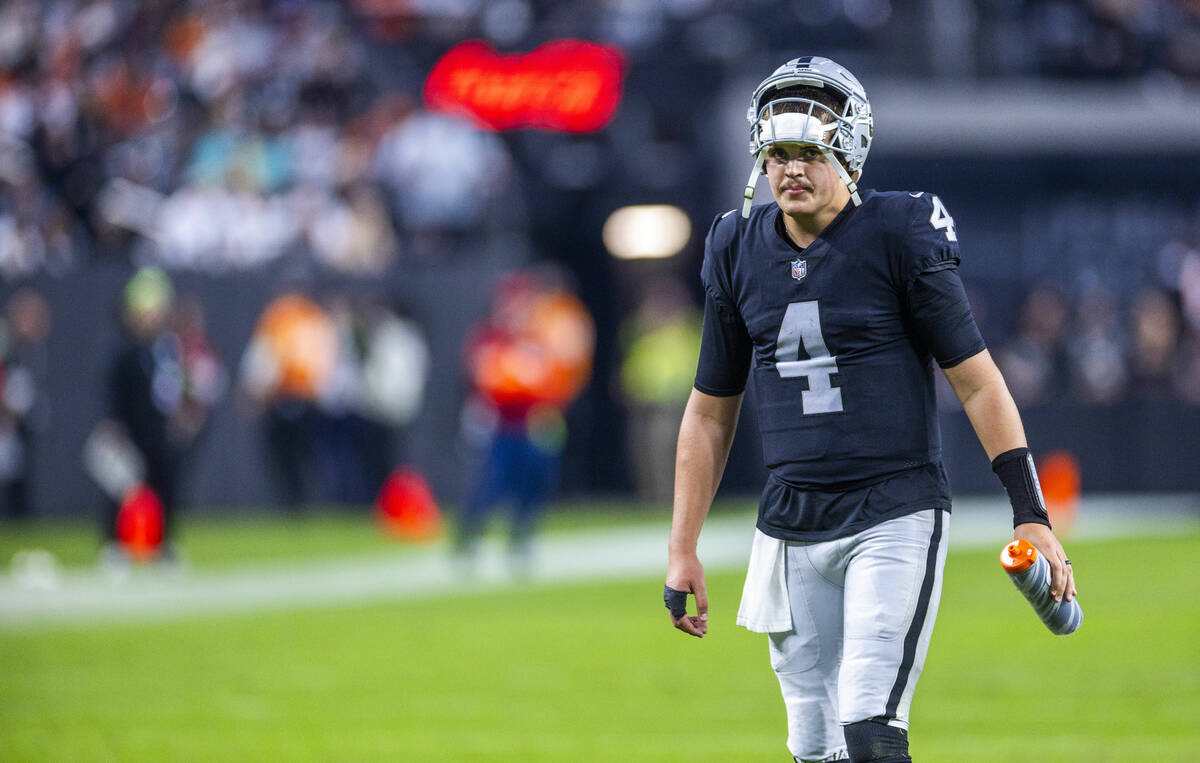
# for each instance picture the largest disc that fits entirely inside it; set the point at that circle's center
(765, 607)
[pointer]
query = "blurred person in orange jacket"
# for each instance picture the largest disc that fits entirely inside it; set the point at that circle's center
(527, 362)
(287, 366)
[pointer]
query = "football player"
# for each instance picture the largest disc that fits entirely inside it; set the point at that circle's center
(836, 301)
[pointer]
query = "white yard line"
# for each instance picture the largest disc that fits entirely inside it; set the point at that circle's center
(89, 597)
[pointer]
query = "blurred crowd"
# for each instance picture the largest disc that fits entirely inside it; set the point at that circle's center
(1101, 38)
(218, 136)
(224, 134)
(1101, 341)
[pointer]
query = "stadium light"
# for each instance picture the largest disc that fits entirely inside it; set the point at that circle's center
(652, 231)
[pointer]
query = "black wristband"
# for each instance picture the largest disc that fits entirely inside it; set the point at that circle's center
(676, 601)
(1019, 477)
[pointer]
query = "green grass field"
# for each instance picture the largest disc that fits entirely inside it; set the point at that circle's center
(594, 672)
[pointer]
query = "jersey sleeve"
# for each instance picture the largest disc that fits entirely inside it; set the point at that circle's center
(725, 344)
(937, 302)
(942, 315)
(724, 352)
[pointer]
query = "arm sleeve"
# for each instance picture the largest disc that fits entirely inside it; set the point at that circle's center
(939, 308)
(724, 352)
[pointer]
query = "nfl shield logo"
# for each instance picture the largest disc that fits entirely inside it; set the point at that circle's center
(799, 269)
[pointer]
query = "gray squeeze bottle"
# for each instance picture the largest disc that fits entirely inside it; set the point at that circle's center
(1030, 573)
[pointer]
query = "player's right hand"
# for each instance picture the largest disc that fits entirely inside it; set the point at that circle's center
(687, 575)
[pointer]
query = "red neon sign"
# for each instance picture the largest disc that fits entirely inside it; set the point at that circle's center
(565, 85)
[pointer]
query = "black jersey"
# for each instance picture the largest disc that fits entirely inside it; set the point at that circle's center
(839, 338)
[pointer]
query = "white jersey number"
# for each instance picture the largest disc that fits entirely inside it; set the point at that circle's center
(802, 326)
(941, 219)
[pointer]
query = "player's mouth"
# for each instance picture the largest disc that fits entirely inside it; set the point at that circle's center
(795, 192)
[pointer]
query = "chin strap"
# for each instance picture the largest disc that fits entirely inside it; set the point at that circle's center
(851, 186)
(753, 181)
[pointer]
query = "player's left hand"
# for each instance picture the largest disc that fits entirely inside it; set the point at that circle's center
(1062, 576)
(685, 575)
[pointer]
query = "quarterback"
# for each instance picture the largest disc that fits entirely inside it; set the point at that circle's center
(837, 301)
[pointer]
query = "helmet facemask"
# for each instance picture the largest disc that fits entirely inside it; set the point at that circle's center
(797, 120)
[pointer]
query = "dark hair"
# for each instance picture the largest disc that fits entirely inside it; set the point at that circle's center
(824, 96)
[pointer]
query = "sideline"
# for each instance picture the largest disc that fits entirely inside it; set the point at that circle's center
(88, 597)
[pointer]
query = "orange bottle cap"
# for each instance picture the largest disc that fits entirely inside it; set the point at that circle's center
(1018, 556)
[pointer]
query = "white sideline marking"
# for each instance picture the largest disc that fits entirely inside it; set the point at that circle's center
(89, 597)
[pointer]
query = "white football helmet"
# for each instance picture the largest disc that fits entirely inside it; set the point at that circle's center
(847, 133)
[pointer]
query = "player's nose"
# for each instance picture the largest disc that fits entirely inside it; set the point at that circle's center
(794, 167)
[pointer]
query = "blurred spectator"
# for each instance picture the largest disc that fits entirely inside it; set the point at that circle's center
(662, 343)
(395, 373)
(353, 233)
(1098, 349)
(204, 376)
(288, 366)
(527, 362)
(23, 407)
(145, 390)
(443, 173)
(1155, 333)
(1034, 363)
(1189, 286)
(1187, 375)
(339, 427)
(376, 387)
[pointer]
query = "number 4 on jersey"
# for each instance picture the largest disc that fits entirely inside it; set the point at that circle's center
(802, 326)
(941, 219)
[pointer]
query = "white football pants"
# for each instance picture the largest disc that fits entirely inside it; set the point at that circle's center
(862, 610)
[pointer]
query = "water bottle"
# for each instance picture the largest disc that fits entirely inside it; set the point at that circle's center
(1030, 573)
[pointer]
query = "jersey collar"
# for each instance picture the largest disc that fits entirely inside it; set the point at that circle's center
(836, 222)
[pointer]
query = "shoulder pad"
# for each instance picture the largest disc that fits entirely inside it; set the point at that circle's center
(900, 208)
(724, 230)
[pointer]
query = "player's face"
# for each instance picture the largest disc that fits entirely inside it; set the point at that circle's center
(803, 182)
